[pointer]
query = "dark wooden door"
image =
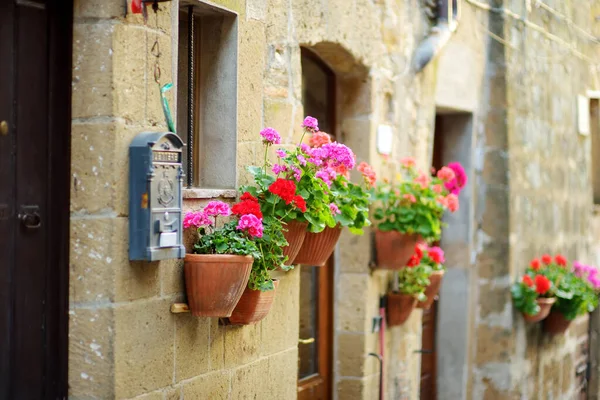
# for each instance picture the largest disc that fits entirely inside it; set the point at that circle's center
(35, 86)
(428, 355)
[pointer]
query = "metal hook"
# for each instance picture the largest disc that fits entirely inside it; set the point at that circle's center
(156, 49)
(157, 73)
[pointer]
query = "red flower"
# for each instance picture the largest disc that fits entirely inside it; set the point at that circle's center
(247, 207)
(418, 252)
(526, 280)
(286, 189)
(300, 203)
(414, 261)
(542, 284)
(546, 259)
(535, 264)
(248, 196)
(560, 260)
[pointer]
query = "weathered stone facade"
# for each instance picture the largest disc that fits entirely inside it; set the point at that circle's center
(529, 193)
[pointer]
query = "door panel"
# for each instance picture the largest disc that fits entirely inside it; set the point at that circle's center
(35, 86)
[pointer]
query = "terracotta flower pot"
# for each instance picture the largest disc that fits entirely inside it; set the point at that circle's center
(215, 282)
(545, 306)
(317, 247)
(399, 308)
(253, 306)
(435, 282)
(394, 249)
(556, 323)
(295, 234)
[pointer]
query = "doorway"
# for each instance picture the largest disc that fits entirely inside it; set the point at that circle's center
(35, 121)
(315, 345)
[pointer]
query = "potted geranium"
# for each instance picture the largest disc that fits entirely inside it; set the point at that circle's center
(410, 211)
(332, 201)
(577, 291)
(433, 258)
(533, 294)
(412, 282)
(218, 271)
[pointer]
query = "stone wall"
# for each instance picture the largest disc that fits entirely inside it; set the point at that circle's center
(124, 342)
(533, 192)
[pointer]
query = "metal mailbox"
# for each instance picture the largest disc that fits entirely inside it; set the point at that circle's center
(155, 198)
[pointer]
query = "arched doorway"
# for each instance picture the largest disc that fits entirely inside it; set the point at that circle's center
(315, 345)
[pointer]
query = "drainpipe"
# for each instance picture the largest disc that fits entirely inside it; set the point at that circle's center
(447, 22)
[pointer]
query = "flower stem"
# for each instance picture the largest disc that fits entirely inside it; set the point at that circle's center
(266, 154)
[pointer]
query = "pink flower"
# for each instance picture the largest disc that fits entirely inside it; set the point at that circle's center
(445, 174)
(436, 254)
(318, 139)
(408, 162)
(438, 189)
(410, 197)
(196, 219)
(336, 154)
(442, 200)
(327, 175)
(252, 224)
(311, 123)
(368, 173)
(277, 169)
(334, 209)
(301, 159)
(214, 208)
(422, 180)
(460, 178)
(281, 153)
(270, 136)
(452, 202)
(297, 173)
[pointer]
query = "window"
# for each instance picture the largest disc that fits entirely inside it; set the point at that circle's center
(207, 94)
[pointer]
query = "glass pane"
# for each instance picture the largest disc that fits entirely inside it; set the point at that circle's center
(308, 353)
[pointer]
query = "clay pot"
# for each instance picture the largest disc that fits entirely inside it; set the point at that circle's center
(215, 282)
(394, 249)
(253, 306)
(435, 282)
(294, 233)
(399, 308)
(317, 247)
(545, 306)
(556, 323)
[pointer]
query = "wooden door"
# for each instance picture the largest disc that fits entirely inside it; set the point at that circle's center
(315, 353)
(429, 322)
(35, 87)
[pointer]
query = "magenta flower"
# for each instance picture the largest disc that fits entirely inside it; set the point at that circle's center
(270, 136)
(334, 209)
(311, 123)
(337, 154)
(327, 175)
(196, 219)
(281, 153)
(436, 254)
(301, 159)
(460, 180)
(215, 208)
(297, 173)
(252, 224)
(277, 169)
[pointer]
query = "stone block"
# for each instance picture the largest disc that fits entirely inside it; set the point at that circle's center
(92, 69)
(494, 300)
(192, 354)
(283, 366)
(351, 389)
(251, 67)
(98, 9)
(256, 9)
(91, 355)
(495, 222)
(213, 386)
(144, 350)
(495, 167)
(242, 344)
(279, 330)
(216, 345)
(171, 277)
(278, 114)
(91, 273)
(277, 21)
(238, 6)
(130, 48)
(356, 251)
(568, 375)
(244, 381)
(351, 354)
(155, 116)
(352, 294)
(494, 345)
(492, 261)
(93, 166)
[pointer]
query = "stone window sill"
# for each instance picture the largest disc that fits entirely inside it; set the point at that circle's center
(201, 193)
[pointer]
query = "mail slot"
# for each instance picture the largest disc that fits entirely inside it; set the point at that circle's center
(155, 198)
